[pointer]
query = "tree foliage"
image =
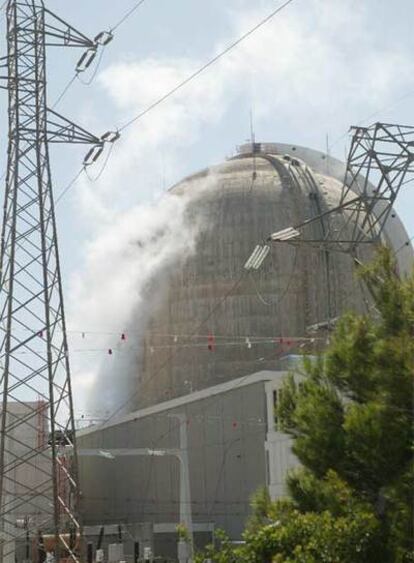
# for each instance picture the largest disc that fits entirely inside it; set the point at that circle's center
(351, 417)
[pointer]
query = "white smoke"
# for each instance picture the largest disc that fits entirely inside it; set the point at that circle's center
(315, 68)
(136, 250)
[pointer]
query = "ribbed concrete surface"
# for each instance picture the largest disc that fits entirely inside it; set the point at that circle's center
(211, 293)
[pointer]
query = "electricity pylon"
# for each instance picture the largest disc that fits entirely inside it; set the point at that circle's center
(39, 488)
(380, 162)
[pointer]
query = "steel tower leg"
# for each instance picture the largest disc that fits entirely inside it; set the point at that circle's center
(39, 488)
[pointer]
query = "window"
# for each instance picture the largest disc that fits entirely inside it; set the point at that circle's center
(277, 396)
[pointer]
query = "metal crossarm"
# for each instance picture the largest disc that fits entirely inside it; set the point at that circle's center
(380, 162)
(58, 33)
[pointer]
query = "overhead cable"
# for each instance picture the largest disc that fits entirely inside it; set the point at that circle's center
(127, 15)
(68, 187)
(64, 91)
(206, 65)
(365, 119)
(77, 73)
(175, 352)
(188, 79)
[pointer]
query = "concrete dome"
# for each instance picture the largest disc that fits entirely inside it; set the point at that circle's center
(263, 189)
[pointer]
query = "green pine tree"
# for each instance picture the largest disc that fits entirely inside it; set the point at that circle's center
(352, 416)
(351, 419)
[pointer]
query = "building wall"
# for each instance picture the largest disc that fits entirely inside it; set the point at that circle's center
(237, 205)
(28, 433)
(228, 436)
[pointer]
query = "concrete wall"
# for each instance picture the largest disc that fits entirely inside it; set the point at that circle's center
(27, 434)
(228, 436)
(239, 203)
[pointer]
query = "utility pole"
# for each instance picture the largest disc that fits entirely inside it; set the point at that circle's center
(38, 479)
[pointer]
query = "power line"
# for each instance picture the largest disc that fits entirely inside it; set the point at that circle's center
(170, 358)
(184, 82)
(385, 108)
(127, 15)
(406, 243)
(64, 91)
(97, 66)
(206, 65)
(68, 187)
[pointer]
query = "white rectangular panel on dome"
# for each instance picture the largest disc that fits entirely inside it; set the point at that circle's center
(249, 264)
(257, 257)
(285, 234)
(261, 257)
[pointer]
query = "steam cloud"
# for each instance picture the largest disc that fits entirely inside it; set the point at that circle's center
(112, 297)
(304, 68)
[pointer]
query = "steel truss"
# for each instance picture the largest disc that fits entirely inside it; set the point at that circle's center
(380, 162)
(39, 489)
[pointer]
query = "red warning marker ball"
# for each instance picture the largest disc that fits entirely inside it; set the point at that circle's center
(234, 424)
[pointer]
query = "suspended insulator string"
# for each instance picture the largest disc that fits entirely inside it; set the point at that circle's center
(95, 70)
(102, 170)
(97, 66)
(195, 74)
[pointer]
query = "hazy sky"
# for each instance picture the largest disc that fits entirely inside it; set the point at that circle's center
(314, 70)
(317, 68)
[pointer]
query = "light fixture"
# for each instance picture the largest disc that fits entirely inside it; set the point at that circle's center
(257, 257)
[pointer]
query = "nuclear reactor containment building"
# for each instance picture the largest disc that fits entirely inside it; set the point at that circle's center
(216, 350)
(217, 322)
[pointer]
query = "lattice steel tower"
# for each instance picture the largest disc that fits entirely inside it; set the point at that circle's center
(39, 490)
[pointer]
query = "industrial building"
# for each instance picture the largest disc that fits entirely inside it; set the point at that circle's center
(197, 432)
(217, 347)
(233, 449)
